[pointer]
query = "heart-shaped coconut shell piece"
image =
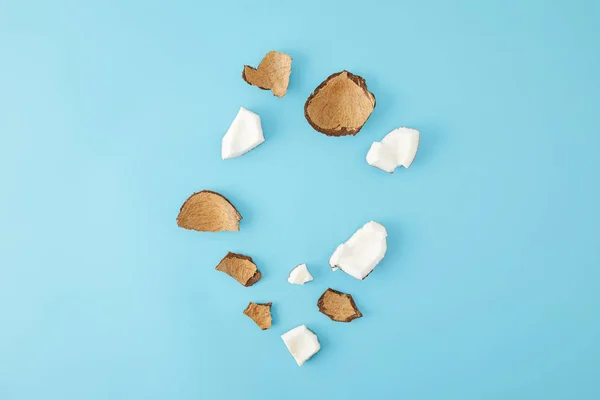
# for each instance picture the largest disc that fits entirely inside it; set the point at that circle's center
(273, 73)
(208, 211)
(340, 105)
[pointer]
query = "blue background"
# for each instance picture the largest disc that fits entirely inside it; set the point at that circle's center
(112, 114)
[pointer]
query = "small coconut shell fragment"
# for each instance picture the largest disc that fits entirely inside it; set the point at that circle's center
(338, 306)
(340, 105)
(241, 268)
(273, 73)
(260, 313)
(208, 211)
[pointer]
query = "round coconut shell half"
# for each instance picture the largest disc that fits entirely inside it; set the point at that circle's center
(208, 211)
(340, 105)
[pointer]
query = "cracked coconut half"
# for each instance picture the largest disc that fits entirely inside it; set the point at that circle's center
(340, 105)
(338, 306)
(260, 313)
(360, 254)
(273, 73)
(208, 211)
(240, 267)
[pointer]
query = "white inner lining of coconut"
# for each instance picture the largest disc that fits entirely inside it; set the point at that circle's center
(399, 147)
(362, 252)
(302, 343)
(244, 134)
(300, 275)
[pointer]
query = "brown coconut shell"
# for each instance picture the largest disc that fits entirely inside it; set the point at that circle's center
(273, 73)
(340, 105)
(240, 267)
(208, 211)
(260, 313)
(338, 306)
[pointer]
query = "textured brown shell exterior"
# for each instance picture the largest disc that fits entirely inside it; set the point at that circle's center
(273, 73)
(341, 314)
(344, 131)
(208, 211)
(241, 268)
(260, 313)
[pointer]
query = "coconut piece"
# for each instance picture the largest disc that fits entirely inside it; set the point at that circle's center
(362, 252)
(260, 313)
(338, 306)
(208, 211)
(244, 134)
(340, 105)
(302, 343)
(300, 275)
(272, 73)
(241, 268)
(399, 147)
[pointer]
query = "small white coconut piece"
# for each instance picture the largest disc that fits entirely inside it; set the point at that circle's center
(399, 147)
(362, 252)
(244, 134)
(300, 275)
(302, 343)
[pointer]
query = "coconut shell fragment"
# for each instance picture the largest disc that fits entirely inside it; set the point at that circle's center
(273, 73)
(338, 306)
(340, 105)
(240, 267)
(208, 211)
(260, 313)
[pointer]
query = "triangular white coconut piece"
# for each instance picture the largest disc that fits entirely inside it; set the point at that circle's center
(300, 275)
(244, 134)
(302, 343)
(399, 147)
(362, 252)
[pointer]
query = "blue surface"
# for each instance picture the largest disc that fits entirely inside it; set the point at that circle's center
(112, 114)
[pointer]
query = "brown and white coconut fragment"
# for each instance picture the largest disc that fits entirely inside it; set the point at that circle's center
(338, 306)
(260, 313)
(208, 211)
(340, 105)
(273, 73)
(240, 267)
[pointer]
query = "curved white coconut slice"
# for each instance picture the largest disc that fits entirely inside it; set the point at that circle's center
(302, 343)
(362, 252)
(244, 134)
(399, 147)
(300, 275)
